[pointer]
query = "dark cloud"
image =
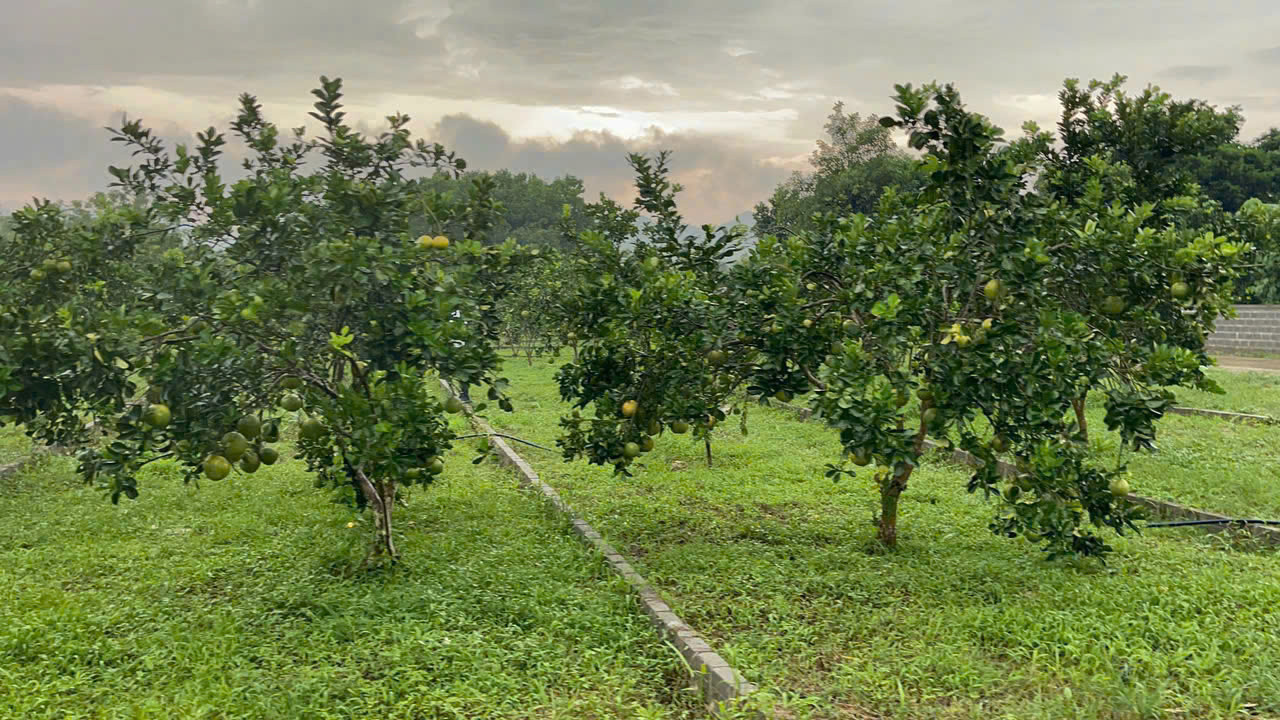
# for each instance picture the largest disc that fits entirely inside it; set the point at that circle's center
(616, 58)
(51, 154)
(1196, 73)
(1270, 55)
(721, 177)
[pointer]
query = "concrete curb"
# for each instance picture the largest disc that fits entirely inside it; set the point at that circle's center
(719, 683)
(1266, 534)
(1224, 415)
(40, 451)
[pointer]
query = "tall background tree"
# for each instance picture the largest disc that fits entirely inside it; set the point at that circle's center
(1235, 172)
(852, 168)
(531, 206)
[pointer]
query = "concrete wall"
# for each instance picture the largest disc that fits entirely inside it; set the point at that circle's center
(1254, 330)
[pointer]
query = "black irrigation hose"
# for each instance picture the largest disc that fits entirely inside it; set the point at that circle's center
(1223, 521)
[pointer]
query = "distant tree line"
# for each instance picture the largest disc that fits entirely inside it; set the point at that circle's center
(1183, 156)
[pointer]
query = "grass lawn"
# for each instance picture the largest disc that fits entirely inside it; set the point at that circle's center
(775, 564)
(13, 444)
(1207, 463)
(1256, 393)
(236, 601)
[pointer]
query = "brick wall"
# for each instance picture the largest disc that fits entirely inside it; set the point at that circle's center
(1255, 329)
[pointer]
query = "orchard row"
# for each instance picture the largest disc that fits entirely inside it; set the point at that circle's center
(1018, 278)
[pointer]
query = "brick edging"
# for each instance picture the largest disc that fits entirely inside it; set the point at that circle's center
(1264, 533)
(1224, 415)
(36, 453)
(718, 681)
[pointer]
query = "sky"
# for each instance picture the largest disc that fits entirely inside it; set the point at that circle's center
(738, 90)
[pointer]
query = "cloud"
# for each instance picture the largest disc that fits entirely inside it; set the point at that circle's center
(52, 154)
(1270, 55)
(1196, 73)
(741, 71)
(720, 175)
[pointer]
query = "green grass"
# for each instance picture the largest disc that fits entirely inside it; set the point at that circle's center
(777, 567)
(237, 600)
(1255, 393)
(1204, 462)
(14, 445)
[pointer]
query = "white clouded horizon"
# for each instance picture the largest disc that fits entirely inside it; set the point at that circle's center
(738, 90)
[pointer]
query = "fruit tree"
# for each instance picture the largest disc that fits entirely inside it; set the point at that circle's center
(995, 306)
(296, 293)
(656, 347)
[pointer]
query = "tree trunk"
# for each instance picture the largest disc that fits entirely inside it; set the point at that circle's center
(892, 486)
(382, 500)
(890, 490)
(708, 443)
(1078, 404)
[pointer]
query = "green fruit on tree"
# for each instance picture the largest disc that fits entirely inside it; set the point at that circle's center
(268, 455)
(216, 467)
(848, 325)
(436, 466)
(37, 275)
(808, 323)
(157, 416)
(63, 266)
(311, 429)
(924, 395)
(630, 450)
(811, 287)
(654, 428)
(900, 399)
(782, 396)
(861, 457)
(629, 408)
(929, 416)
(646, 444)
(679, 427)
(1113, 305)
(452, 405)
(993, 289)
(291, 383)
(1180, 290)
(716, 358)
(1000, 443)
(249, 426)
(49, 265)
(250, 462)
(271, 432)
(291, 402)
(1119, 487)
(234, 446)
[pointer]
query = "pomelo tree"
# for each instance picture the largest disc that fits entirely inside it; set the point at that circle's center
(995, 306)
(1146, 142)
(297, 292)
(655, 336)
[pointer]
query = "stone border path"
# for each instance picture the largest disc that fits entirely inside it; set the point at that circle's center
(719, 683)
